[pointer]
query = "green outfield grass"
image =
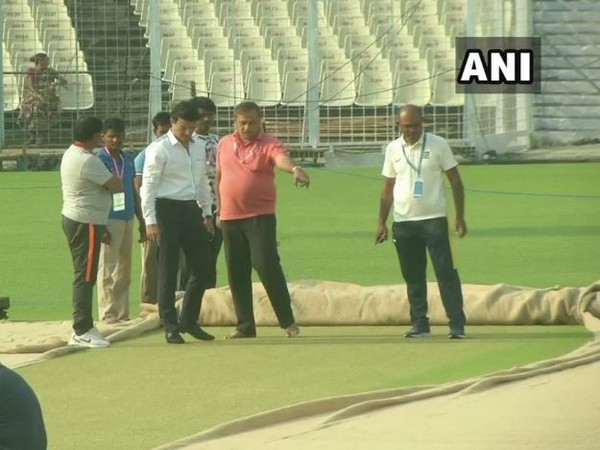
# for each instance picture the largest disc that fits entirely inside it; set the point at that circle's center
(142, 393)
(326, 232)
(532, 225)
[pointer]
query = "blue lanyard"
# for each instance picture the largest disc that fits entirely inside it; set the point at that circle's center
(416, 169)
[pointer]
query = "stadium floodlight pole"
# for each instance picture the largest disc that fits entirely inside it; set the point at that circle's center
(2, 84)
(524, 27)
(470, 110)
(311, 108)
(154, 99)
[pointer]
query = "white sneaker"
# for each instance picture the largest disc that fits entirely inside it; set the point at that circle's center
(93, 339)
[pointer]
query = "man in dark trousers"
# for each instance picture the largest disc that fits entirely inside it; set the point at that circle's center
(245, 187)
(176, 203)
(414, 169)
(207, 110)
(87, 186)
(21, 420)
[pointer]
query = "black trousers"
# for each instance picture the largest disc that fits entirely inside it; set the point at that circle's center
(412, 239)
(252, 243)
(215, 243)
(181, 226)
(84, 243)
(21, 421)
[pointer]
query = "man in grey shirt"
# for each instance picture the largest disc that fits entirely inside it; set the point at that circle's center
(87, 186)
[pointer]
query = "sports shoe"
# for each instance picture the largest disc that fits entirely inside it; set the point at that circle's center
(92, 338)
(415, 332)
(292, 331)
(457, 333)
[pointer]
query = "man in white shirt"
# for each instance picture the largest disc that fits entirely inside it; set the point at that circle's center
(414, 169)
(207, 110)
(175, 196)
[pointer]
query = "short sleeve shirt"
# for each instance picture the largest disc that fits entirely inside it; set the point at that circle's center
(402, 163)
(139, 161)
(124, 168)
(247, 184)
(83, 175)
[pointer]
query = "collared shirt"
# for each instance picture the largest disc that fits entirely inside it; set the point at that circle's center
(124, 167)
(211, 144)
(402, 162)
(139, 160)
(173, 173)
(83, 175)
(247, 185)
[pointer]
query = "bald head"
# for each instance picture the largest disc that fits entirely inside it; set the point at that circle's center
(410, 121)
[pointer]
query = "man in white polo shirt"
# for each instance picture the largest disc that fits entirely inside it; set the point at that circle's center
(414, 169)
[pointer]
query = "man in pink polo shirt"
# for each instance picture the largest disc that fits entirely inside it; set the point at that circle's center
(246, 197)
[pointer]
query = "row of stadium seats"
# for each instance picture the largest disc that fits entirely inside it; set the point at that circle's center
(33, 26)
(372, 52)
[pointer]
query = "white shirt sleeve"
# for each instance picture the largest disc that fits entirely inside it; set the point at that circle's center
(388, 165)
(447, 159)
(153, 167)
(203, 193)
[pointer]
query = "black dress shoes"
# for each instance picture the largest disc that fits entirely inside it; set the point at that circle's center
(199, 333)
(173, 337)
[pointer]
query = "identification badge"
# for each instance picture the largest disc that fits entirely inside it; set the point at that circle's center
(418, 188)
(118, 201)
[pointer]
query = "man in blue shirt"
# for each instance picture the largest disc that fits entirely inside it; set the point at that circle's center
(161, 124)
(114, 268)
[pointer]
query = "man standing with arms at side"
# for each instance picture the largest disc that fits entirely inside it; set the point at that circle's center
(207, 110)
(246, 196)
(175, 197)
(87, 186)
(114, 268)
(414, 169)
(161, 124)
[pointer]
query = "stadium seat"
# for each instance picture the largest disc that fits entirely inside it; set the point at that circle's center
(223, 57)
(278, 31)
(292, 55)
(444, 91)
(244, 32)
(181, 89)
(254, 54)
(270, 8)
(10, 83)
(174, 55)
(374, 84)
(281, 42)
(337, 83)
(263, 88)
(355, 42)
(226, 88)
(412, 87)
(211, 44)
(78, 93)
(241, 43)
(173, 43)
(294, 88)
(166, 11)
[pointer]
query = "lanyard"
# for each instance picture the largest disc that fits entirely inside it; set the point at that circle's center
(120, 175)
(416, 169)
